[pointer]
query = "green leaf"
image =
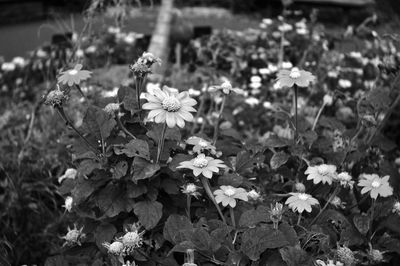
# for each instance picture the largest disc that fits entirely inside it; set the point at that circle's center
(143, 169)
(279, 159)
(112, 200)
(98, 123)
(233, 179)
(119, 170)
(104, 233)
(245, 161)
(170, 186)
(84, 188)
(135, 147)
(276, 142)
(256, 240)
(135, 190)
(58, 260)
(128, 98)
(294, 256)
(253, 217)
(148, 212)
(86, 167)
(362, 222)
(175, 228)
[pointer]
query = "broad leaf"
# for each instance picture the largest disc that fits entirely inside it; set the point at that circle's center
(142, 169)
(104, 233)
(175, 228)
(148, 212)
(98, 123)
(256, 240)
(279, 159)
(253, 217)
(135, 147)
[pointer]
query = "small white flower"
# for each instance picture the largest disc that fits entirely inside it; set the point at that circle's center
(115, 248)
(8, 66)
(267, 105)
(267, 21)
(254, 195)
(396, 208)
(345, 180)
(252, 101)
(19, 61)
(287, 65)
(344, 83)
(255, 79)
(68, 203)
(70, 173)
(328, 100)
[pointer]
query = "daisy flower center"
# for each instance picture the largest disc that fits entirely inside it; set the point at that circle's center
(295, 73)
(303, 196)
(376, 184)
(190, 188)
(131, 238)
(229, 192)
(323, 170)
(73, 72)
(171, 104)
(200, 162)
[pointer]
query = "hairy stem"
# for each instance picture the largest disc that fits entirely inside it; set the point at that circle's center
(295, 112)
(334, 193)
(318, 116)
(161, 143)
(188, 203)
(232, 214)
(61, 112)
(207, 188)
(216, 126)
(123, 128)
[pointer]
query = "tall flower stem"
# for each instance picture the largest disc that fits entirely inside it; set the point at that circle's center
(123, 128)
(139, 84)
(372, 214)
(199, 111)
(318, 116)
(188, 203)
(299, 219)
(161, 142)
(207, 188)
(334, 193)
(61, 112)
(295, 112)
(232, 214)
(216, 126)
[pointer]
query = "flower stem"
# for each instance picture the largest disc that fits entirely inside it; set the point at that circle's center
(80, 90)
(138, 83)
(161, 143)
(199, 111)
(207, 188)
(216, 126)
(372, 214)
(299, 219)
(295, 111)
(61, 112)
(334, 193)
(188, 203)
(123, 128)
(232, 214)
(318, 116)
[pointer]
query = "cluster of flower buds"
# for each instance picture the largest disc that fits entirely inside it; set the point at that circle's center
(143, 65)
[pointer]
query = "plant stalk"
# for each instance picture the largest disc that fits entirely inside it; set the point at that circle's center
(334, 193)
(161, 143)
(295, 112)
(61, 112)
(216, 126)
(207, 188)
